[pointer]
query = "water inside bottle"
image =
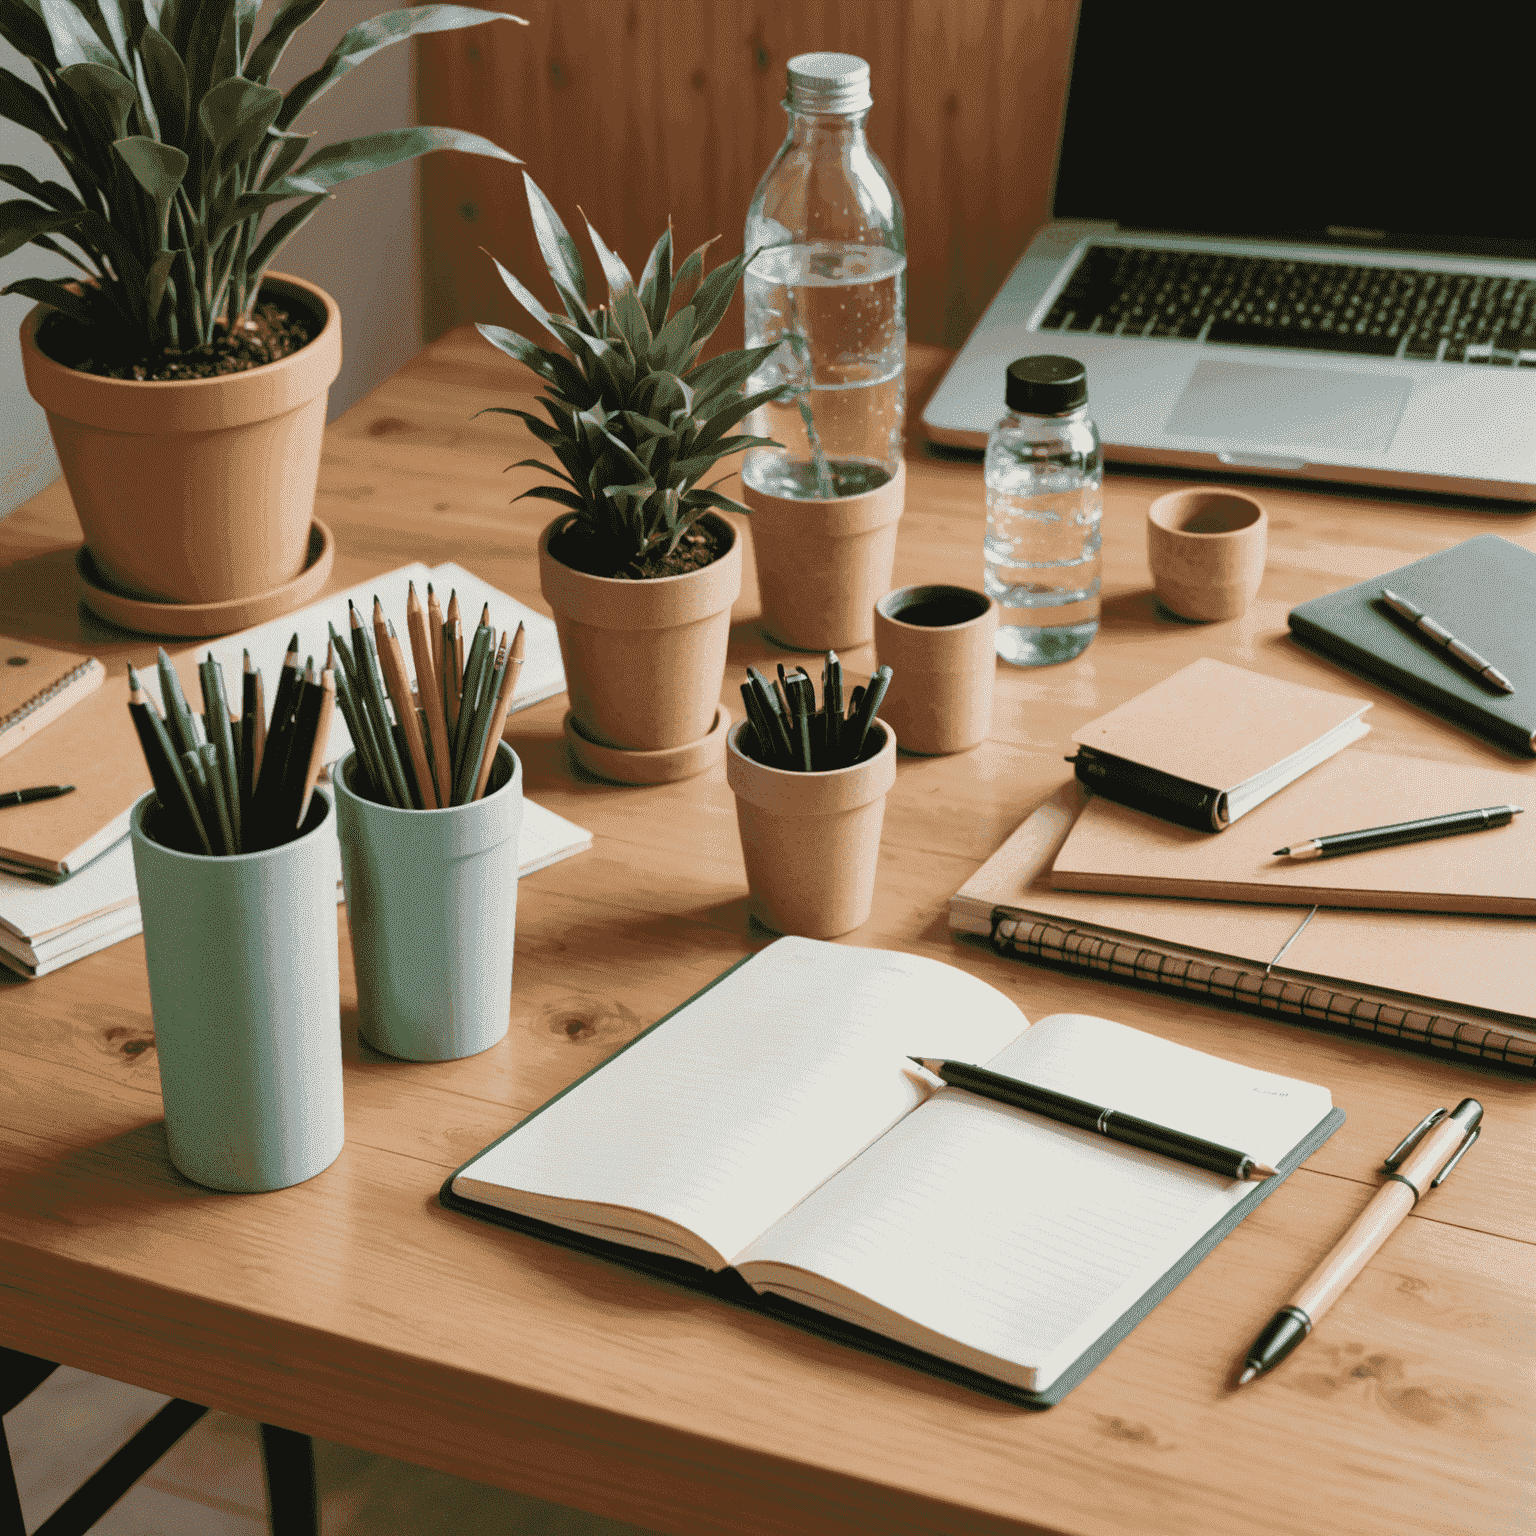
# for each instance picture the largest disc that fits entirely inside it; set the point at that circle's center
(1043, 570)
(841, 313)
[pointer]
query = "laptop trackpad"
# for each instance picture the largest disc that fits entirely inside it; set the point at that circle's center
(1247, 403)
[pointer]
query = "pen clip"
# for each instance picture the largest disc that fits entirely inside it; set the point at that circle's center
(1456, 1157)
(1412, 1139)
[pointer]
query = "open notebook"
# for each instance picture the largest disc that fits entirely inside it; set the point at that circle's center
(773, 1130)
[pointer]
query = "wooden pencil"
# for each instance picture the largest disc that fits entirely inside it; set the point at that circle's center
(434, 634)
(493, 673)
(392, 663)
(499, 718)
(197, 783)
(322, 737)
(371, 689)
(208, 755)
(222, 739)
(183, 818)
(429, 695)
(474, 678)
(285, 812)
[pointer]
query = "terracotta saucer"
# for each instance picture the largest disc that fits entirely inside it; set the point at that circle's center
(663, 766)
(193, 620)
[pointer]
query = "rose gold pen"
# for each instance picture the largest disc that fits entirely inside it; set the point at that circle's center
(1479, 666)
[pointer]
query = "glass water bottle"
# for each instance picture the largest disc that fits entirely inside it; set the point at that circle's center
(829, 283)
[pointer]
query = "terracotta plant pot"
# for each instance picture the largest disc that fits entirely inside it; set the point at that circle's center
(822, 563)
(194, 490)
(940, 644)
(644, 660)
(811, 840)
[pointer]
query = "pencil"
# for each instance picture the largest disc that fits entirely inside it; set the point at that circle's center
(208, 755)
(165, 771)
(371, 783)
(322, 737)
(177, 721)
(372, 691)
(285, 812)
(202, 794)
(344, 656)
(392, 661)
(457, 623)
(287, 681)
(869, 705)
(499, 716)
(253, 735)
(222, 739)
(832, 703)
(428, 693)
(453, 675)
(493, 673)
(434, 632)
(474, 677)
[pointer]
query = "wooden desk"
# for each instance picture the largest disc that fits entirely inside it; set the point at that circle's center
(355, 1308)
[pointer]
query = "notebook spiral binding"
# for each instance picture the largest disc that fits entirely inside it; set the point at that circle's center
(1083, 950)
(36, 702)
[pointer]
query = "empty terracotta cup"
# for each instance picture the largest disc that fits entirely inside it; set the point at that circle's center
(1206, 547)
(939, 644)
(811, 840)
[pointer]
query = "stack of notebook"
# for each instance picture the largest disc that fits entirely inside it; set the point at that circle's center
(1431, 943)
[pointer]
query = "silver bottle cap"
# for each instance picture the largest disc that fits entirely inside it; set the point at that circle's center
(828, 82)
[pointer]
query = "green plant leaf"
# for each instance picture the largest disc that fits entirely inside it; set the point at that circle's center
(276, 237)
(158, 168)
(22, 221)
(614, 270)
(52, 193)
(370, 36)
(629, 312)
(540, 429)
(159, 276)
(728, 371)
(521, 350)
(112, 21)
(656, 280)
(42, 291)
(105, 93)
(166, 78)
(22, 26)
(555, 493)
(204, 28)
(235, 115)
(717, 426)
(548, 469)
(673, 342)
(248, 205)
(290, 150)
(526, 299)
(561, 257)
(703, 498)
(688, 276)
(342, 161)
(26, 105)
(714, 297)
(291, 15)
(74, 39)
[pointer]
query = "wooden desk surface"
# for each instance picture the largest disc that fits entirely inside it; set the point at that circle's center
(356, 1308)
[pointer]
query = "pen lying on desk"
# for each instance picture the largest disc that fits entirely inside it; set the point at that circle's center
(1419, 1163)
(1128, 1129)
(37, 792)
(1401, 832)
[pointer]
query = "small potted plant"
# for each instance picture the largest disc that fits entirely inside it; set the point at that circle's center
(184, 382)
(640, 569)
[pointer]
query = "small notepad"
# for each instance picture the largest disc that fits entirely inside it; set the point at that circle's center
(37, 684)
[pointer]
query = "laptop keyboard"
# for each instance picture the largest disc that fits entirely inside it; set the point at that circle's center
(1320, 306)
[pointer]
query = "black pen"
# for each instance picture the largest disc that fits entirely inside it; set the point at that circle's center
(1401, 832)
(1479, 666)
(37, 792)
(1129, 1129)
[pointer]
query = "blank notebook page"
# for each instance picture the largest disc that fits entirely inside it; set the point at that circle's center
(730, 1112)
(1020, 1238)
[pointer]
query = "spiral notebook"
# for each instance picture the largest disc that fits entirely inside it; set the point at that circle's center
(37, 684)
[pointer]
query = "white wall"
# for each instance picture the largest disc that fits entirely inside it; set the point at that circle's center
(363, 247)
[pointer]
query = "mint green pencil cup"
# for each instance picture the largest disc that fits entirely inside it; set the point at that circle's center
(432, 906)
(244, 982)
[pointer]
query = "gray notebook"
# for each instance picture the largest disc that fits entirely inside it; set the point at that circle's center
(1484, 591)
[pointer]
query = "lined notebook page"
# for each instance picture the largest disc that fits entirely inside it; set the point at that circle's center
(731, 1112)
(1016, 1239)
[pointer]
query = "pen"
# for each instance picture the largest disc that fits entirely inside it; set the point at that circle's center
(1478, 666)
(37, 792)
(1419, 1163)
(1401, 832)
(1117, 1126)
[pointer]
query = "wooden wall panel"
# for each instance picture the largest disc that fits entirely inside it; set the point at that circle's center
(636, 109)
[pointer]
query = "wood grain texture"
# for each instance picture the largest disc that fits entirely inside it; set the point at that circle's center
(640, 109)
(355, 1307)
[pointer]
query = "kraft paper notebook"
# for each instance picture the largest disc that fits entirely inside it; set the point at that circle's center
(95, 747)
(1206, 745)
(37, 684)
(1453, 984)
(1113, 848)
(1483, 591)
(769, 1143)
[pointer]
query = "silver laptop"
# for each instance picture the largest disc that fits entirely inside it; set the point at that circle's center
(1306, 251)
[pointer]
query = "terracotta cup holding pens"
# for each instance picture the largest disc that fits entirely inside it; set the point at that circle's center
(429, 805)
(810, 788)
(245, 988)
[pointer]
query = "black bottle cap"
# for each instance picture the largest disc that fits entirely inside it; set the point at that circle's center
(1046, 386)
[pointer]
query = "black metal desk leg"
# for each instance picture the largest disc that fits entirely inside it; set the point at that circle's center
(293, 1506)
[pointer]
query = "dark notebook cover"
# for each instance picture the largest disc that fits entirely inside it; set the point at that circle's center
(728, 1286)
(1482, 590)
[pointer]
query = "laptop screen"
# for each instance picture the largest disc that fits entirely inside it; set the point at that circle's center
(1353, 125)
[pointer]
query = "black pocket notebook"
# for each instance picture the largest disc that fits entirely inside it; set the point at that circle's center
(770, 1144)
(1483, 591)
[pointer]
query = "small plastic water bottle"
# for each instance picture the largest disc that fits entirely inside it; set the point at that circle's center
(1045, 476)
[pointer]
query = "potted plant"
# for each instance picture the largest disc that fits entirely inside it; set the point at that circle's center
(184, 382)
(640, 569)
